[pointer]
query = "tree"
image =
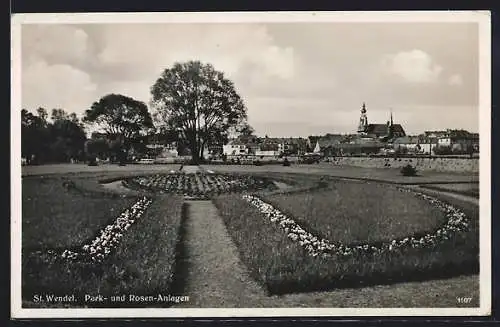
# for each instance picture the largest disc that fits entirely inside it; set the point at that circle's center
(42, 114)
(199, 102)
(120, 116)
(57, 140)
(67, 136)
(35, 136)
(59, 114)
(246, 132)
(96, 148)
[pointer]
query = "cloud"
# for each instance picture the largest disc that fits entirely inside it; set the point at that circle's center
(54, 43)
(455, 80)
(296, 79)
(229, 47)
(138, 90)
(415, 66)
(56, 86)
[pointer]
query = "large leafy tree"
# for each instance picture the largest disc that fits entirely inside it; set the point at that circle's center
(121, 117)
(199, 102)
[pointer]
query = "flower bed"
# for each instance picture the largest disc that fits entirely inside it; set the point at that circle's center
(136, 254)
(456, 221)
(287, 257)
(199, 185)
(352, 212)
(104, 243)
(55, 217)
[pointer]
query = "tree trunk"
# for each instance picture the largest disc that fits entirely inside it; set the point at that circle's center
(123, 153)
(195, 152)
(195, 157)
(202, 151)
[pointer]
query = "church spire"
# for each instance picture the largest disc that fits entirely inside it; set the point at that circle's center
(390, 127)
(363, 120)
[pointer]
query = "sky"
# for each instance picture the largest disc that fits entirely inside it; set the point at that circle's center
(296, 79)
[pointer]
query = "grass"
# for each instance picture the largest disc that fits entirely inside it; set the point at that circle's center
(57, 214)
(352, 213)
(392, 175)
(463, 189)
(143, 264)
(282, 266)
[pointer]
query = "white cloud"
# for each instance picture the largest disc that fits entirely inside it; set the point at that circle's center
(60, 43)
(292, 77)
(456, 80)
(415, 66)
(137, 90)
(228, 47)
(56, 86)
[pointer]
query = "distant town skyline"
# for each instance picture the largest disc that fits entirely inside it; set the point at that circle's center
(296, 79)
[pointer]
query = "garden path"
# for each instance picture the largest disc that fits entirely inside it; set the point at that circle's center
(215, 277)
(461, 197)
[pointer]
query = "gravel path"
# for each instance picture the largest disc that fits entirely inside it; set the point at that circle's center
(215, 276)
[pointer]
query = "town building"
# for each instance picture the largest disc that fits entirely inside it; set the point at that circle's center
(452, 141)
(383, 132)
(408, 144)
(235, 147)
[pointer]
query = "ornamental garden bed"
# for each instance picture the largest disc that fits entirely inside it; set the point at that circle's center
(355, 213)
(311, 241)
(199, 185)
(122, 245)
(55, 214)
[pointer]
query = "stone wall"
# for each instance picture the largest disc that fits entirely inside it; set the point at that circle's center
(422, 164)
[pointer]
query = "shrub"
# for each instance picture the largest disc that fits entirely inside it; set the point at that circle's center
(286, 163)
(409, 170)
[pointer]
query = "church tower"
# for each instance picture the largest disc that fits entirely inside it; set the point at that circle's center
(363, 120)
(390, 127)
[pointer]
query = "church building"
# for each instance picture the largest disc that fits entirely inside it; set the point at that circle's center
(383, 132)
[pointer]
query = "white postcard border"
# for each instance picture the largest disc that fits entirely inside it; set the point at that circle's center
(480, 17)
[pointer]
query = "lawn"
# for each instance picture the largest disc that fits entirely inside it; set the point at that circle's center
(57, 215)
(143, 262)
(353, 213)
(283, 266)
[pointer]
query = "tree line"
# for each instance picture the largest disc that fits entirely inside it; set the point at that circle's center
(58, 139)
(192, 104)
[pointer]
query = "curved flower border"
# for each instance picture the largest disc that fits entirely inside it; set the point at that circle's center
(106, 241)
(456, 221)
